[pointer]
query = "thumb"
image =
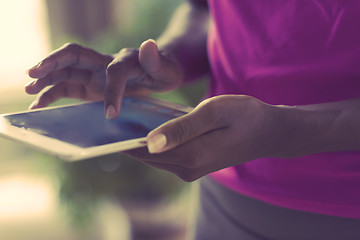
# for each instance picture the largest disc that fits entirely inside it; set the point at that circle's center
(181, 130)
(165, 72)
(149, 57)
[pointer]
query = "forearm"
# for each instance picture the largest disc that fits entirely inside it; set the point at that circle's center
(327, 127)
(185, 39)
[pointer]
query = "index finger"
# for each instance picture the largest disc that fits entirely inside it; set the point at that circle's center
(116, 76)
(70, 55)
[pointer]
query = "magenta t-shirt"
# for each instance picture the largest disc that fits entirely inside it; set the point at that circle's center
(292, 52)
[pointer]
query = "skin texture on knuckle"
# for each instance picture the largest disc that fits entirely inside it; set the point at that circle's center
(127, 54)
(68, 53)
(72, 50)
(214, 113)
(78, 53)
(115, 68)
(122, 62)
(179, 132)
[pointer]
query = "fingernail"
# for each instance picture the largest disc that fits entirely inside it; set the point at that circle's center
(30, 70)
(149, 40)
(156, 143)
(152, 40)
(29, 83)
(32, 105)
(110, 112)
(36, 66)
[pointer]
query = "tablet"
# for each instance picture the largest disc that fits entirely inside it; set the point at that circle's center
(81, 131)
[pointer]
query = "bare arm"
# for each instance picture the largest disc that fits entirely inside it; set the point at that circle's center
(326, 127)
(229, 130)
(277, 131)
(185, 38)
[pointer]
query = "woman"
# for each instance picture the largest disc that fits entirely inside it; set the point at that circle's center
(278, 135)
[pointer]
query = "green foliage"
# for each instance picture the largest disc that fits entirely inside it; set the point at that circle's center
(116, 176)
(147, 20)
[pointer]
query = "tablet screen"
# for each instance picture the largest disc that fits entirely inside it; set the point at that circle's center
(85, 125)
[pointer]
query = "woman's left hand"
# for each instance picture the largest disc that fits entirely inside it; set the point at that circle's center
(220, 132)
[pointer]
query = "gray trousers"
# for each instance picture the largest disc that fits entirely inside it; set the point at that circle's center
(226, 215)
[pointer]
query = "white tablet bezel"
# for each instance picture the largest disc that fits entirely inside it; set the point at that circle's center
(70, 152)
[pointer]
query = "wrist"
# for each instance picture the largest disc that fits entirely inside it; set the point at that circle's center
(303, 130)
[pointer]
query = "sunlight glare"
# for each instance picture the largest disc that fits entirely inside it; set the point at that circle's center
(23, 39)
(25, 198)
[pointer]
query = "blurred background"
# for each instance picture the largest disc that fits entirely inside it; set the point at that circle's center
(111, 197)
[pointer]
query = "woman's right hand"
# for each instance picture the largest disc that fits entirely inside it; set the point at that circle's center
(74, 71)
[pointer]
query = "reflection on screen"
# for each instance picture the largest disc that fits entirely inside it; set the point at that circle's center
(86, 125)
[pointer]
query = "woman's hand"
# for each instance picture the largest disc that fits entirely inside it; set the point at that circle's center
(222, 131)
(74, 71)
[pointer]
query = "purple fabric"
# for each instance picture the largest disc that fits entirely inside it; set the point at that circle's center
(292, 52)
